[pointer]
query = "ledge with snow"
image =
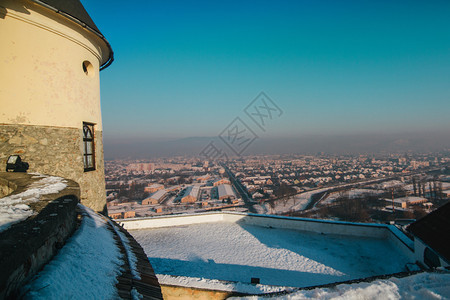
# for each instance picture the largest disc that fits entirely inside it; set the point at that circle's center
(37, 215)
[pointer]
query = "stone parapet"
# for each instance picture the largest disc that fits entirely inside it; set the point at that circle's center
(28, 245)
(6, 187)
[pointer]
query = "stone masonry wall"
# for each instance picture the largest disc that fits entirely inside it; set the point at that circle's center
(6, 187)
(57, 151)
(28, 245)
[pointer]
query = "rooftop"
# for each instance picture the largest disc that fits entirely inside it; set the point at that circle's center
(72, 8)
(225, 190)
(75, 11)
(158, 195)
(224, 251)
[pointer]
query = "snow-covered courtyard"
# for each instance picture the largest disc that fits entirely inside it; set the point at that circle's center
(237, 252)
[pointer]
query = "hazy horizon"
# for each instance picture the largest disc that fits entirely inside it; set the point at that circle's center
(372, 143)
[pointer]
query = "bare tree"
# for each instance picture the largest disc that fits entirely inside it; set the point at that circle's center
(439, 190)
(272, 206)
(434, 190)
(284, 192)
(421, 189)
(430, 189)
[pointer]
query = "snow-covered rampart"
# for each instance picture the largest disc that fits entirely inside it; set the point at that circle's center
(36, 218)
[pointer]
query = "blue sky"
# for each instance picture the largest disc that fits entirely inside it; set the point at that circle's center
(188, 68)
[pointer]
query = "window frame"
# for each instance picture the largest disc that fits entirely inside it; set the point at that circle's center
(86, 142)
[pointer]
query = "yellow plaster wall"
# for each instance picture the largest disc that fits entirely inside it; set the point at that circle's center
(45, 95)
(42, 79)
(187, 293)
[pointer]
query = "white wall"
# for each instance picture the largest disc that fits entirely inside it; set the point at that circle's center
(169, 221)
(317, 226)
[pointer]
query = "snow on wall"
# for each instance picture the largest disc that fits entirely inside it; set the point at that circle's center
(14, 208)
(318, 226)
(419, 286)
(85, 268)
(169, 221)
(312, 225)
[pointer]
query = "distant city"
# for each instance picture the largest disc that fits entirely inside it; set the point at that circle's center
(383, 188)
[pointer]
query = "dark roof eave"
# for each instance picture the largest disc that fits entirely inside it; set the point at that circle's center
(110, 59)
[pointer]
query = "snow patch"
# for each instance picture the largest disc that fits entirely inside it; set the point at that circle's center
(132, 259)
(14, 208)
(135, 295)
(213, 284)
(419, 286)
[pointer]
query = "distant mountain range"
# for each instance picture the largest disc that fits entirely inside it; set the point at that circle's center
(330, 144)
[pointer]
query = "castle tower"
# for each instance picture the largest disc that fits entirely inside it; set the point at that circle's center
(51, 53)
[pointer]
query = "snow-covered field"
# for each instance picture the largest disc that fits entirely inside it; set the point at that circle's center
(237, 252)
(294, 203)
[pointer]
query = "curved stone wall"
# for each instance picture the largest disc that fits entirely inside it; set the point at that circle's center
(50, 87)
(28, 245)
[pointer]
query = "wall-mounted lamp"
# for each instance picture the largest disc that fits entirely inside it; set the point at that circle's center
(15, 164)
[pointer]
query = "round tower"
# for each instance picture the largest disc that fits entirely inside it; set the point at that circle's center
(50, 56)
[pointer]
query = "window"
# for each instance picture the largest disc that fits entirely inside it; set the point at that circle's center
(88, 68)
(88, 147)
(431, 259)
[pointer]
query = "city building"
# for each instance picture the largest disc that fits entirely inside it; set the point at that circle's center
(405, 202)
(190, 194)
(446, 193)
(221, 181)
(225, 191)
(204, 179)
(155, 198)
(129, 214)
(153, 188)
(116, 215)
(140, 167)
